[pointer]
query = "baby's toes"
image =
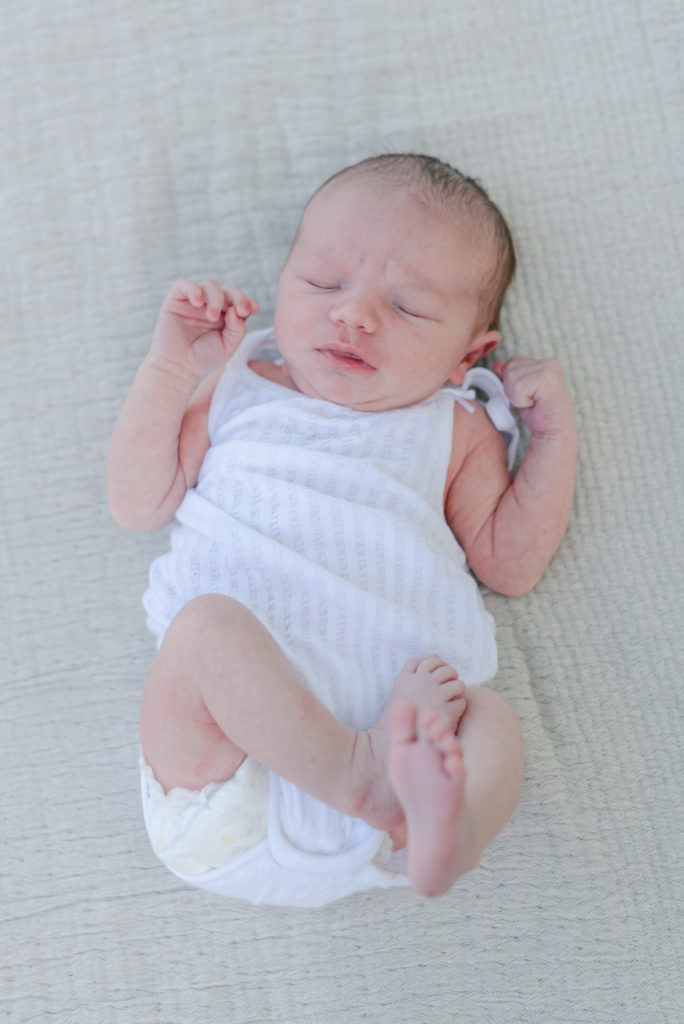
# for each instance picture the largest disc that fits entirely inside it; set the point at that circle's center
(456, 710)
(452, 689)
(454, 764)
(434, 728)
(445, 674)
(429, 664)
(450, 713)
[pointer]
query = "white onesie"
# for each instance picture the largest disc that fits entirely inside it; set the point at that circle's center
(328, 523)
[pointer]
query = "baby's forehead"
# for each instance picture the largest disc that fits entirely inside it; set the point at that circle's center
(353, 190)
(330, 211)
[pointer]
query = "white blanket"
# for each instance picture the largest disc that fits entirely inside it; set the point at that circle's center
(141, 141)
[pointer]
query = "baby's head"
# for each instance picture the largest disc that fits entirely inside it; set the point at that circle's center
(393, 284)
(450, 194)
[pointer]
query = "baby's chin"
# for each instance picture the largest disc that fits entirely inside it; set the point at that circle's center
(368, 391)
(376, 403)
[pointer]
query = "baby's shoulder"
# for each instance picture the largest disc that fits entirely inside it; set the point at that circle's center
(472, 427)
(474, 437)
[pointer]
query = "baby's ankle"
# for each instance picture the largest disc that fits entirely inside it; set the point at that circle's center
(371, 793)
(360, 775)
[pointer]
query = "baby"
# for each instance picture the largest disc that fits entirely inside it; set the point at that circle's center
(315, 704)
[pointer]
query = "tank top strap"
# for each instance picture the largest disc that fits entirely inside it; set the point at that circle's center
(478, 382)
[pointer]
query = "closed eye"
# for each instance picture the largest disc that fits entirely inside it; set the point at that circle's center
(322, 286)
(412, 313)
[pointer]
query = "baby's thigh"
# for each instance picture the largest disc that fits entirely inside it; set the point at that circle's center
(180, 739)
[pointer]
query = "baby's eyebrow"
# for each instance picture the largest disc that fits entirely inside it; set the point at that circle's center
(421, 285)
(320, 263)
(420, 288)
(322, 260)
(416, 275)
(416, 279)
(320, 252)
(437, 289)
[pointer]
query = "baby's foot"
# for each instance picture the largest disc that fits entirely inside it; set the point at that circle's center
(425, 766)
(433, 687)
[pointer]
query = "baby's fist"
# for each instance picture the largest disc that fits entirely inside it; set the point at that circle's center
(536, 388)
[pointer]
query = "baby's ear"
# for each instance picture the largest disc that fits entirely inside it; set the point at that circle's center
(480, 347)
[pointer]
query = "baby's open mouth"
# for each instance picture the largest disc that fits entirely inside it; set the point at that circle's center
(347, 358)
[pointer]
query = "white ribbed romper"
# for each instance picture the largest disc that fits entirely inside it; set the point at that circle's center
(328, 523)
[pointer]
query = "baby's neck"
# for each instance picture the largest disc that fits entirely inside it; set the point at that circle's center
(276, 372)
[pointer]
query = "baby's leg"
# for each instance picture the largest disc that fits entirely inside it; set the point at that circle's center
(457, 791)
(221, 688)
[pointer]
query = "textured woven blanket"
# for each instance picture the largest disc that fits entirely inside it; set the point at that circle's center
(141, 141)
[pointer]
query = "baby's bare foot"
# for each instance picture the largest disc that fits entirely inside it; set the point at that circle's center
(433, 687)
(425, 766)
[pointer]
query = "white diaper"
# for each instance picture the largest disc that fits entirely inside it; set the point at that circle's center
(257, 837)
(196, 831)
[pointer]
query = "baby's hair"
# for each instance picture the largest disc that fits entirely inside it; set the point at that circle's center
(435, 179)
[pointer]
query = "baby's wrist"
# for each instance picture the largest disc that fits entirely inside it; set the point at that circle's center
(554, 422)
(173, 371)
(561, 439)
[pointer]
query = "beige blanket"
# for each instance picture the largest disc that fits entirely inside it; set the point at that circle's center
(142, 140)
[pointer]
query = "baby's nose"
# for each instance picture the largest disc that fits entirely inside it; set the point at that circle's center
(357, 311)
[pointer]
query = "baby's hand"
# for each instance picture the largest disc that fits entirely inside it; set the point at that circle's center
(536, 387)
(201, 325)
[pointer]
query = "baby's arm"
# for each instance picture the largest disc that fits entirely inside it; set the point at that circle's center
(510, 529)
(161, 435)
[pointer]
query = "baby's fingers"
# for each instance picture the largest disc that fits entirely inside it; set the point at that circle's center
(215, 298)
(185, 289)
(220, 300)
(527, 381)
(244, 306)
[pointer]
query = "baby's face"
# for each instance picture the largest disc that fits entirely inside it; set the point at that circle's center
(378, 302)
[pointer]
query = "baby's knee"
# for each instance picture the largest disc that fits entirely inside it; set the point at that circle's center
(204, 620)
(491, 706)
(205, 612)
